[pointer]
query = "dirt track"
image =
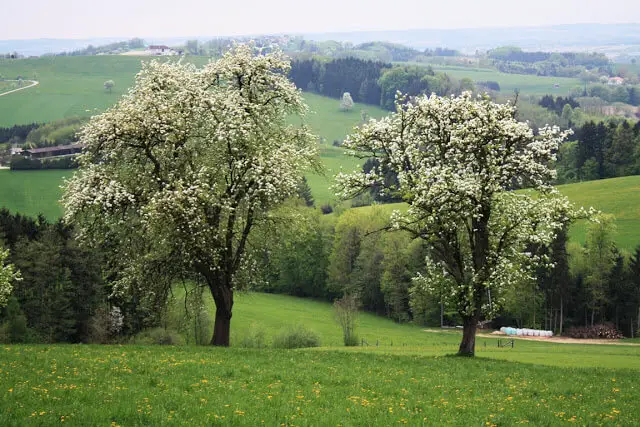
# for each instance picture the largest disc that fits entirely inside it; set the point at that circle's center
(558, 340)
(33, 83)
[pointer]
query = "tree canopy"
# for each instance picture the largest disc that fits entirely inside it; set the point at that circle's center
(457, 160)
(176, 175)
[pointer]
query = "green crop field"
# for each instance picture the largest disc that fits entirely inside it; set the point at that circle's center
(121, 385)
(527, 84)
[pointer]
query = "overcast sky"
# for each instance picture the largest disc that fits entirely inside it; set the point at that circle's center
(31, 19)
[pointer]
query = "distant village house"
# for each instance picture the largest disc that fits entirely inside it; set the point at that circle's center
(615, 81)
(161, 50)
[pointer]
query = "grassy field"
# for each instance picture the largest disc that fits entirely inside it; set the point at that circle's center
(527, 84)
(536, 383)
(6, 86)
(69, 86)
(331, 124)
(617, 196)
(32, 192)
(73, 86)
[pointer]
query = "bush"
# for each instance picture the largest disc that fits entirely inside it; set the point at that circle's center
(15, 329)
(158, 336)
(326, 209)
(298, 337)
(19, 162)
(605, 330)
(105, 325)
(254, 339)
(346, 314)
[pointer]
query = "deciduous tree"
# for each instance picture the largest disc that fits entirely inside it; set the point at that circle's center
(108, 85)
(8, 274)
(457, 159)
(176, 175)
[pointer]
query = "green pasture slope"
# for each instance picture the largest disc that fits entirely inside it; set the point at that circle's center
(123, 385)
(69, 86)
(617, 196)
(331, 124)
(527, 84)
(32, 192)
(73, 86)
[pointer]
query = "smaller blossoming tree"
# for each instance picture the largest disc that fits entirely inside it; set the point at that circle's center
(457, 159)
(346, 102)
(8, 274)
(176, 175)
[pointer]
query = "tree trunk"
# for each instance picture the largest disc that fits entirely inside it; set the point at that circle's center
(561, 315)
(468, 344)
(593, 315)
(223, 297)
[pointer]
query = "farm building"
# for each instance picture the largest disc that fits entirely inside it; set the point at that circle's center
(615, 81)
(58, 151)
(161, 50)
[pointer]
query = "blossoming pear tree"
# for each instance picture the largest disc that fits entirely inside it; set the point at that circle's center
(457, 160)
(8, 274)
(175, 176)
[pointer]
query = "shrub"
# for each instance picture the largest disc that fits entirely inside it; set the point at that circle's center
(105, 325)
(158, 336)
(15, 328)
(346, 314)
(326, 209)
(298, 337)
(254, 339)
(605, 330)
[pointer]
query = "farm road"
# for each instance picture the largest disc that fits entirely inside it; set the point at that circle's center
(33, 83)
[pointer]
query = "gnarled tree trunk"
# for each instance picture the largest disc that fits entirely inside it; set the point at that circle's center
(468, 343)
(223, 297)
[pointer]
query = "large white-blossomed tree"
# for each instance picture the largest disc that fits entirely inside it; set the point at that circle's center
(457, 159)
(175, 176)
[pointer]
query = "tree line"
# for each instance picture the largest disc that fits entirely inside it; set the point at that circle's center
(511, 59)
(372, 82)
(600, 150)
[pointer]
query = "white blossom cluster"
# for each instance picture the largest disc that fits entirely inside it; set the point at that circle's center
(457, 159)
(188, 160)
(8, 274)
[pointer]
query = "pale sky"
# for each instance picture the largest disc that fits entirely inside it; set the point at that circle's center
(31, 19)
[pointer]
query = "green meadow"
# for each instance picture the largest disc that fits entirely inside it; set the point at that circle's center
(69, 86)
(526, 84)
(413, 382)
(32, 192)
(35, 192)
(74, 86)
(617, 196)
